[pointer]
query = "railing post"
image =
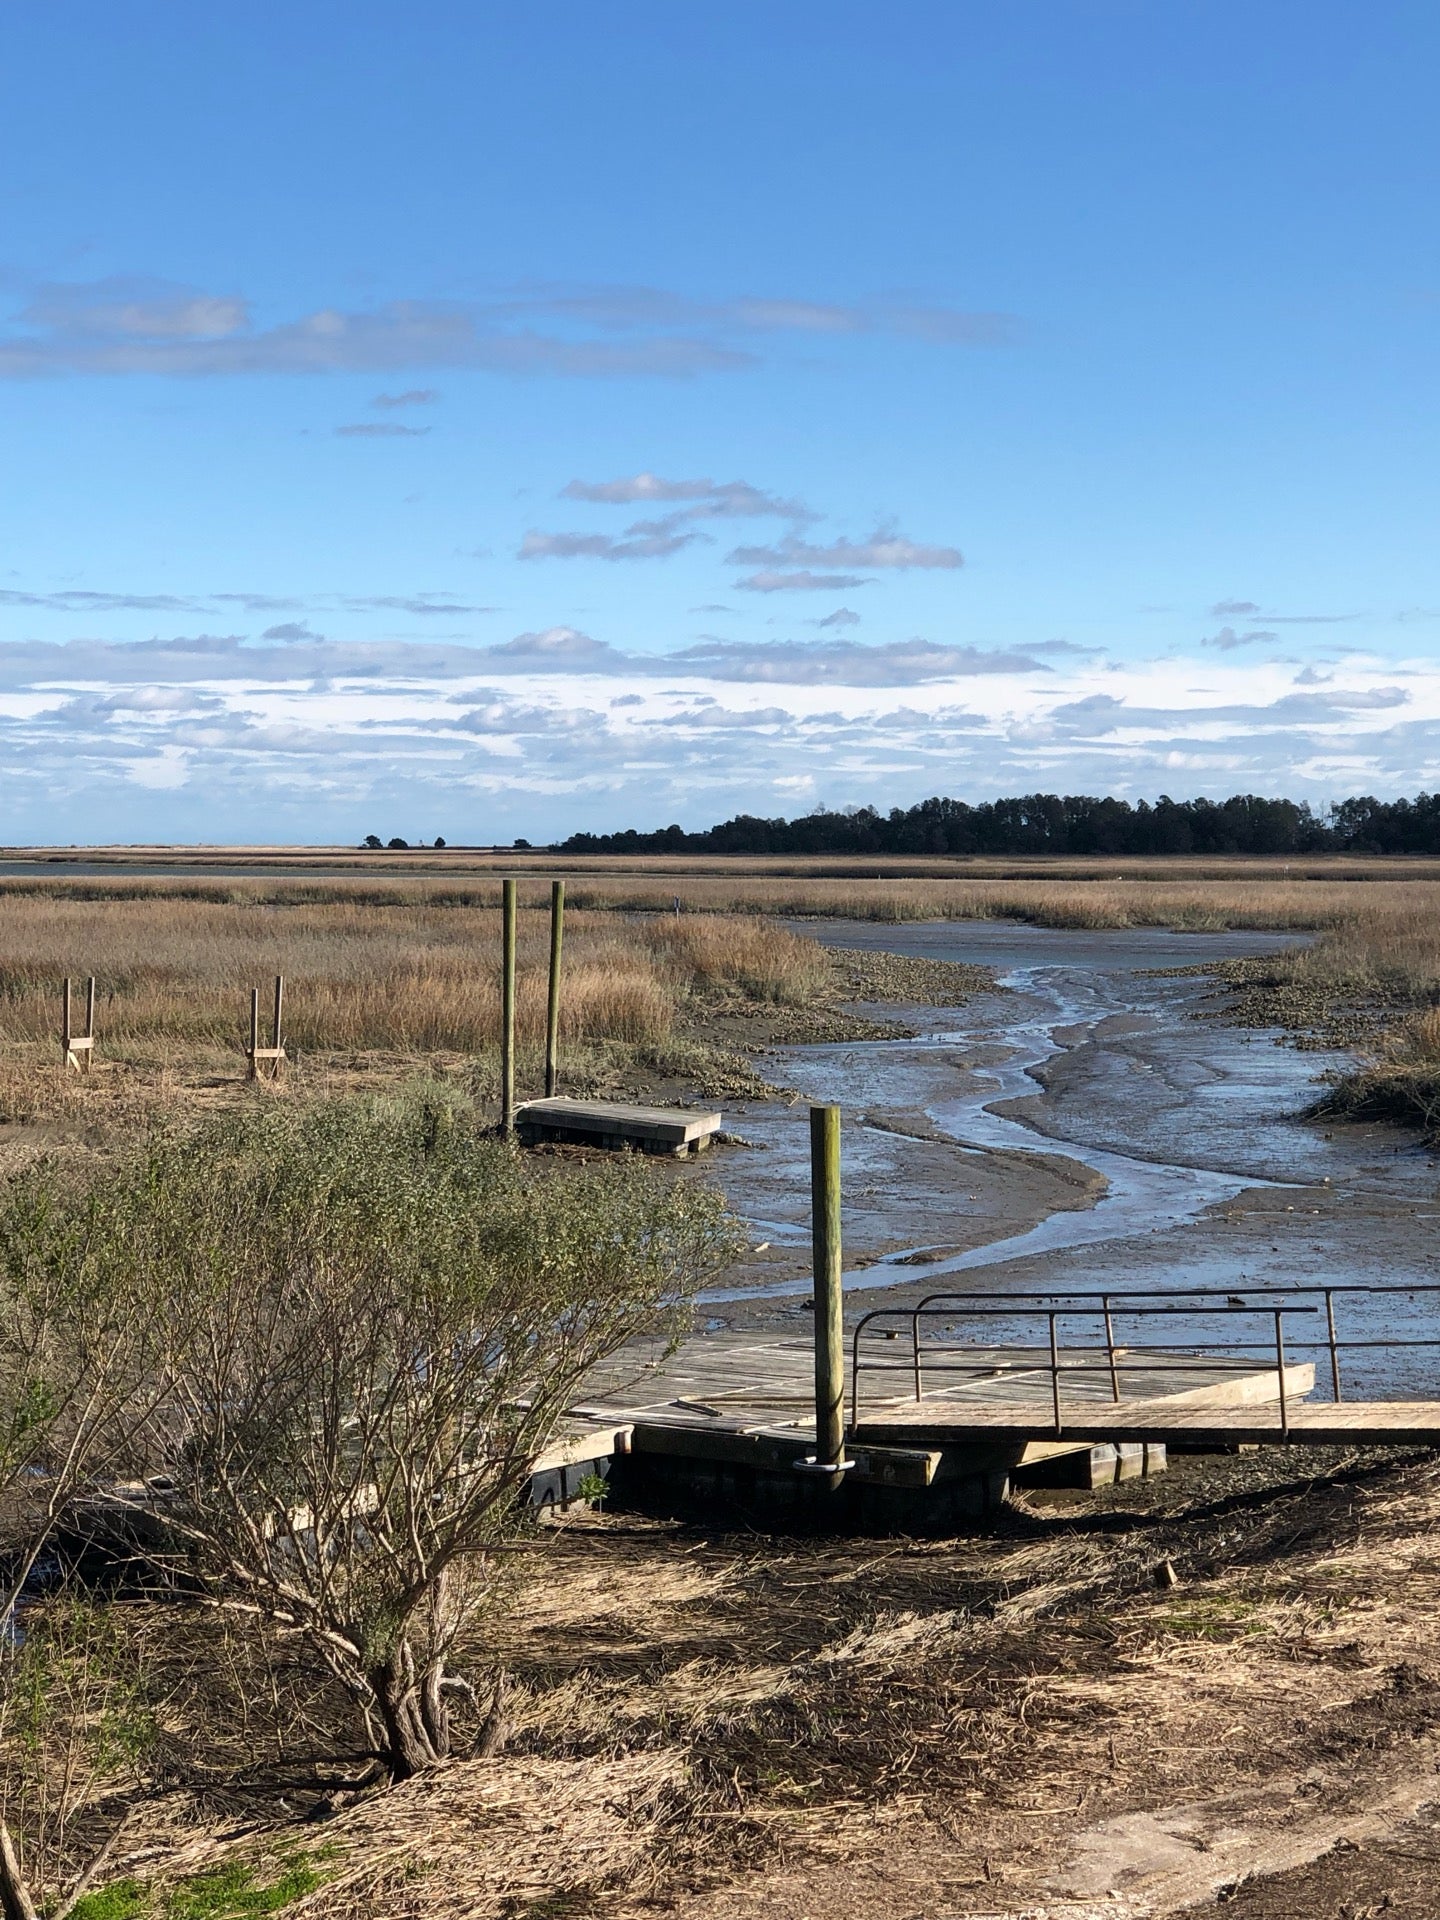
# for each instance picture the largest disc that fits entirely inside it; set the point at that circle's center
(254, 1073)
(552, 1012)
(829, 1289)
(1280, 1369)
(1110, 1349)
(1334, 1347)
(1055, 1374)
(65, 1053)
(915, 1351)
(507, 1009)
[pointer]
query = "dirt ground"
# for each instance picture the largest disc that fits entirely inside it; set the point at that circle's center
(1027, 1721)
(1024, 1722)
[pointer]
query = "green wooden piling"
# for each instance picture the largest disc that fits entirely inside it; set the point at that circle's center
(829, 1289)
(507, 1010)
(552, 1016)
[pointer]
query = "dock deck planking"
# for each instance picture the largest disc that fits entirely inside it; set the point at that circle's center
(749, 1399)
(611, 1123)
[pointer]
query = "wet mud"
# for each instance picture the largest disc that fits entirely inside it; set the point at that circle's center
(1095, 1123)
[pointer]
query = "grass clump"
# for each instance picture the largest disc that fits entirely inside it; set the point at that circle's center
(230, 1892)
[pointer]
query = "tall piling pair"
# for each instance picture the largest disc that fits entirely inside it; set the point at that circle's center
(508, 920)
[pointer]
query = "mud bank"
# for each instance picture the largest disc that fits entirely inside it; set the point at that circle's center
(1087, 1126)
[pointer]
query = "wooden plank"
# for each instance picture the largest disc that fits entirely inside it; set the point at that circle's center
(671, 1126)
(778, 1449)
(1095, 1418)
(588, 1443)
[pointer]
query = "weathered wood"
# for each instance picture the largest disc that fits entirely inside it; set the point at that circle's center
(780, 1448)
(552, 1005)
(612, 1123)
(829, 1289)
(507, 1007)
(1377, 1422)
(77, 1049)
(275, 1052)
(587, 1442)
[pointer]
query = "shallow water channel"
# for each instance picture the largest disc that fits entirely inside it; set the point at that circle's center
(1087, 1127)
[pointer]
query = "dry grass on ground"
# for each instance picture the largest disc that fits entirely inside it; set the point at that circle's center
(381, 987)
(707, 1725)
(399, 970)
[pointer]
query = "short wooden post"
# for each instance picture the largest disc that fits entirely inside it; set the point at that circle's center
(552, 1011)
(829, 1291)
(78, 1049)
(507, 1009)
(275, 1052)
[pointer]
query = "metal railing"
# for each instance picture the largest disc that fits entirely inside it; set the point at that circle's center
(1101, 1313)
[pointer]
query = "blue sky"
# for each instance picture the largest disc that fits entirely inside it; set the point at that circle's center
(467, 420)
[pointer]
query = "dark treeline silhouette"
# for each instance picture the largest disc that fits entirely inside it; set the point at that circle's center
(1246, 823)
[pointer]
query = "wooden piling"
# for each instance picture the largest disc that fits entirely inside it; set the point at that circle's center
(829, 1290)
(552, 1012)
(507, 1010)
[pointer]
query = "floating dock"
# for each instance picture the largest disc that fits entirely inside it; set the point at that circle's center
(729, 1420)
(608, 1123)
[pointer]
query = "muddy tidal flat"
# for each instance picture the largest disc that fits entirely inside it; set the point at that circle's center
(1094, 1121)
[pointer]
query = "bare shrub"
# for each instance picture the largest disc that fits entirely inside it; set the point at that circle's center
(75, 1731)
(364, 1322)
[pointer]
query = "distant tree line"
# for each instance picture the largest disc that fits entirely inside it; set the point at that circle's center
(1247, 823)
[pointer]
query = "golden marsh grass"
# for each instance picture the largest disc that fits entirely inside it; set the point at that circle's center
(175, 967)
(405, 965)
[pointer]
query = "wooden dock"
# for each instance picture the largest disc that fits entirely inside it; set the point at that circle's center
(609, 1123)
(731, 1418)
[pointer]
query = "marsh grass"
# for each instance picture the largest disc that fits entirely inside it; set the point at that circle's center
(383, 969)
(418, 977)
(371, 987)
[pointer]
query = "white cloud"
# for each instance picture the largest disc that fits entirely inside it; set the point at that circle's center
(711, 500)
(209, 735)
(381, 430)
(641, 543)
(121, 326)
(772, 580)
(884, 548)
(1227, 639)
